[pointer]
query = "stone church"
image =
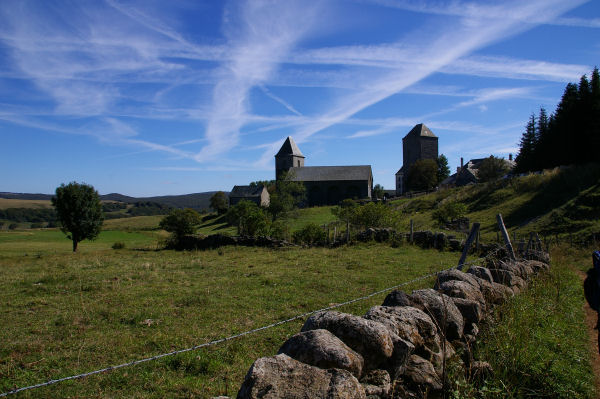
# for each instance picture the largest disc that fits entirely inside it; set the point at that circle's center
(419, 143)
(325, 185)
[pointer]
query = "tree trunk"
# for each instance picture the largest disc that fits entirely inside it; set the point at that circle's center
(75, 242)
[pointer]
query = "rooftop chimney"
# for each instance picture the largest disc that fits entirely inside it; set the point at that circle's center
(461, 162)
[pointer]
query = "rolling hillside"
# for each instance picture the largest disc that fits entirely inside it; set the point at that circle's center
(197, 201)
(558, 201)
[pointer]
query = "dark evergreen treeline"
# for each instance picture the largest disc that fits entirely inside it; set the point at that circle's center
(571, 135)
(34, 215)
(148, 208)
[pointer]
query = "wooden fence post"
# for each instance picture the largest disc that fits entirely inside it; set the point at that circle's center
(411, 231)
(472, 235)
(348, 232)
(539, 242)
(509, 247)
(529, 243)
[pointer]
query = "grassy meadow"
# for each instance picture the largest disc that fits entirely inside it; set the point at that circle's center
(65, 313)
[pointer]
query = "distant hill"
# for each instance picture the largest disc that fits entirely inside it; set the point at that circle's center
(197, 201)
(23, 196)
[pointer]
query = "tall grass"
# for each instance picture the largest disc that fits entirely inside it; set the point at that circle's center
(537, 343)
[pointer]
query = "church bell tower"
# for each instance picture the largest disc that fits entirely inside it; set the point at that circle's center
(289, 156)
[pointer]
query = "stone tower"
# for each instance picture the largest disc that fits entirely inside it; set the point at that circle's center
(419, 143)
(289, 156)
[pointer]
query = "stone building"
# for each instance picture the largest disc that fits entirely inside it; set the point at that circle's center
(325, 185)
(256, 194)
(469, 173)
(419, 143)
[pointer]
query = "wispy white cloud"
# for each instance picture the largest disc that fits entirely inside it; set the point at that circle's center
(442, 47)
(88, 70)
(490, 10)
(578, 22)
(260, 36)
(280, 100)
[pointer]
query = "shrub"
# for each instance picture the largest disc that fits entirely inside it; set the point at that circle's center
(12, 226)
(449, 211)
(422, 175)
(118, 245)
(310, 234)
(280, 229)
(180, 222)
(492, 168)
(36, 225)
(249, 219)
(366, 216)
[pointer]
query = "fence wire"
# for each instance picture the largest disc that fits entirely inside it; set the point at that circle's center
(231, 337)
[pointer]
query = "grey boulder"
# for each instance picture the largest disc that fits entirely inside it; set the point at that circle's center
(322, 349)
(373, 340)
(283, 377)
(442, 309)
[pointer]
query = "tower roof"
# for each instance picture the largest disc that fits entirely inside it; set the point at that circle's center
(289, 147)
(420, 130)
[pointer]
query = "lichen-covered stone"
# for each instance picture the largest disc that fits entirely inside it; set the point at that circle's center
(373, 340)
(322, 349)
(442, 309)
(283, 377)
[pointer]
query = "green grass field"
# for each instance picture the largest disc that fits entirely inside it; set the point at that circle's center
(38, 242)
(65, 313)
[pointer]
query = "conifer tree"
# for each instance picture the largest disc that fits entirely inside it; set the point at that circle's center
(584, 119)
(561, 147)
(525, 158)
(571, 135)
(595, 110)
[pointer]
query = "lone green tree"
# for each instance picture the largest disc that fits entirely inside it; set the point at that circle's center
(79, 211)
(218, 202)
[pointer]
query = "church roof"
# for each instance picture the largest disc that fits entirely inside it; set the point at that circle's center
(331, 173)
(420, 130)
(246, 191)
(289, 147)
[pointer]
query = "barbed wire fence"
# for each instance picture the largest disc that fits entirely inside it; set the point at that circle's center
(248, 332)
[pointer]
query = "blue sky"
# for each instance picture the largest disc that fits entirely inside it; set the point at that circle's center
(172, 97)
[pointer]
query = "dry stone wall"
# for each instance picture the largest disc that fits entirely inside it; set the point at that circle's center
(396, 350)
